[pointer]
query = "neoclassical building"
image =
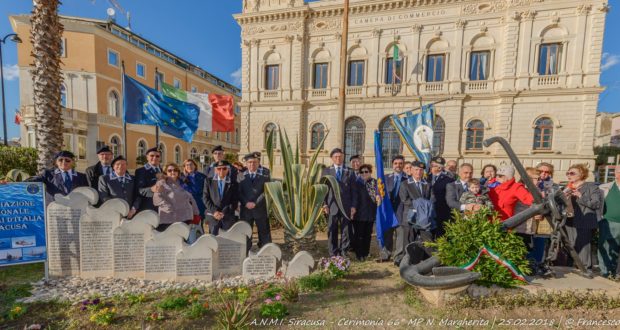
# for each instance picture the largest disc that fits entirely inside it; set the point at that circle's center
(526, 70)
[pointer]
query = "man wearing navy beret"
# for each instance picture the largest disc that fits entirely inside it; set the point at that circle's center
(103, 167)
(63, 178)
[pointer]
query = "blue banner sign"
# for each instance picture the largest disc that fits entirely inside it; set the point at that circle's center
(22, 223)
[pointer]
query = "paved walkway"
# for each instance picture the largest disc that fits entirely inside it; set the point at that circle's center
(568, 279)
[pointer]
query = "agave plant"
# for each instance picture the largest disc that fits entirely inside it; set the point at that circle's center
(297, 201)
(16, 175)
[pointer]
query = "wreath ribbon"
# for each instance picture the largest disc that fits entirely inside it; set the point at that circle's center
(514, 271)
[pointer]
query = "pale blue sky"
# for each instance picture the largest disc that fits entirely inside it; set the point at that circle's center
(204, 32)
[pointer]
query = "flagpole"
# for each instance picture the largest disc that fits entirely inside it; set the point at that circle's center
(156, 126)
(420, 107)
(343, 76)
(124, 109)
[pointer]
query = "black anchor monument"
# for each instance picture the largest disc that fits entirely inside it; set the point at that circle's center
(552, 207)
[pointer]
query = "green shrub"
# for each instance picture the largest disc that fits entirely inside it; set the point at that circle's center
(173, 303)
(290, 291)
(233, 313)
(24, 159)
(273, 308)
(197, 310)
(316, 281)
(466, 235)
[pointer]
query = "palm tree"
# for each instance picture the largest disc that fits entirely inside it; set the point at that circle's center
(45, 35)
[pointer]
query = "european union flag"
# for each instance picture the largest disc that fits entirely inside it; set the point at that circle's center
(386, 218)
(146, 106)
(416, 130)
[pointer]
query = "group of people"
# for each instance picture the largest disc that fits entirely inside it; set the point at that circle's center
(423, 200)
(218, 197)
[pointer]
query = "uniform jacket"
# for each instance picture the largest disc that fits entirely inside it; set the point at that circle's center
(175, 204)
(409, 192)
(110, 186)
(55, 183)
(93, 173)
(439, 187)
(227, 204)
(506, 195)
(348, 190)
(145, 179)
(253, 190)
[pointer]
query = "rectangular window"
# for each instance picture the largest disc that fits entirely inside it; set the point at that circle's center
(67, 143)
(272, 77)
(32, 139)
(160, 76)
(393, 73)
(435, 67)
(479, 66)
(356, 73)
(227, 136)
(320, 76)
(63, 47)
(194, 89)
(549, 59)
(140, 70)
(81, 147)
(177, 83)
(113, 58)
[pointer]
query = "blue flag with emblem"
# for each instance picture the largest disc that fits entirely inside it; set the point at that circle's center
(386, 218)
(146, 106)
(416, 132)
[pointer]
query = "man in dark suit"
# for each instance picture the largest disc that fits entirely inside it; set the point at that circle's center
(414, 188)
(455, 189)
(439, 180)
(338, 222)
(355, 161)
(103, 167)
(262, 170)
(221, 195)
(146, 177)
(62, 179)
(218, 156)
(119, 184)
(252, 200)
(393, 182)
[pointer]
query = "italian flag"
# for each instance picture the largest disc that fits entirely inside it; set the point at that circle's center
(216, 111)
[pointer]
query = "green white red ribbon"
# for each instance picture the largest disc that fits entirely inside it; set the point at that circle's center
(514, 271)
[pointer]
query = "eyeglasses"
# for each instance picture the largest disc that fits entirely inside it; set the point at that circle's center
(65, 160)
(172, 170)
(364, 172)
(570, 173)
(221, 168)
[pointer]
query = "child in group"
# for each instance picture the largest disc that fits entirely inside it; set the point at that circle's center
(476, 195)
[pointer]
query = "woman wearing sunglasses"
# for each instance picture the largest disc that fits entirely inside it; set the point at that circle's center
(366, 215)
(175, 203)
(587, 202)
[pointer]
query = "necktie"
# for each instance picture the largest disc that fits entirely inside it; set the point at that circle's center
(220, 184)
(106, 170)
(338, 173)
(67, 181)
(434, 179)
(252, 176)
(419, 184)
(396, 185)
(464, 186)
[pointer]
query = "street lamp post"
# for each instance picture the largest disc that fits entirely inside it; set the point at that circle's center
(15, 38)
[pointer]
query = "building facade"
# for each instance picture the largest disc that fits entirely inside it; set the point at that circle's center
(92, 98)
(526, 70)
(607, 129)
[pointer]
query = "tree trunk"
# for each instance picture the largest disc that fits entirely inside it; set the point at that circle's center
(45, 35)
(293, 245)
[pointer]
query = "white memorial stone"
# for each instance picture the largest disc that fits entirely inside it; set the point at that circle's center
(96, 241)
(160, 252)
(301, 265)
(63, 230)
(129, 244)
(195, 262)
(263, 264)
(231, 249)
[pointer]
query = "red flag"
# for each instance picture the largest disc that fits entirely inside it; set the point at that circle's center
(18, 117)
(223, 115)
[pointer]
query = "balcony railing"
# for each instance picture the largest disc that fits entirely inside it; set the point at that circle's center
(481, 86)
(392, 89)
(354, 90)
(271, 94)
(548, 81)
(434, 87)
(319, 93)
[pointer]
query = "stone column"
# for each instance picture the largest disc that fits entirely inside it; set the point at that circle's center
(575, 80)
(246, 65)
(457, 59)
(416, 66)
(503, 120)
(254, 71)
(299, 66)
(525, 51)
(292, 64)
(374, 69)
(510, 50)
(594, 49)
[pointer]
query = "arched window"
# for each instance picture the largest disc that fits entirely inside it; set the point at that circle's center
(268, 128)
(162, 150)
(114, 104)
(177, 154)
(390, 142)
(354, 129)
(475, 135)
(63, 95)
(142, 147)
(193, 153)
(115, 144)
(317, 135)
(543, 134)
(439, 132)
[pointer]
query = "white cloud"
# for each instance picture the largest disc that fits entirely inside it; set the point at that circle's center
(609, 61)
(236, 77)
(11, 72)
